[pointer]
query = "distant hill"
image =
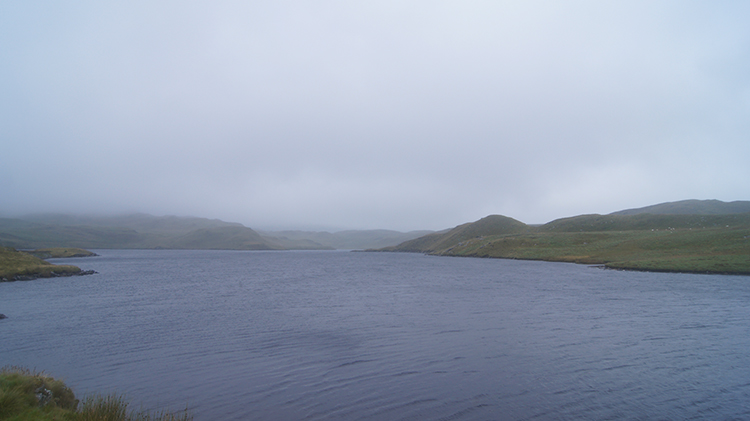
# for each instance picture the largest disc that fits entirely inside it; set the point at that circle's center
(24, 234)
(691, 207)
(490, 225)
(642, 221)
(136, 231)
(346, 240)
(671, 242)
(138, 221)
(142, 231)
(222, 238)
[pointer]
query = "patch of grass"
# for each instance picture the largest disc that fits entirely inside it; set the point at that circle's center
(16, 265)
(644, 222)
(27, 396)
(702, 250)
(60, 252)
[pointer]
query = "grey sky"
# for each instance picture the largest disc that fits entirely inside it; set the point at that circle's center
(398, 115)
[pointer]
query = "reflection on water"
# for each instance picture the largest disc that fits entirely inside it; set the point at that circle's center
(339, 335)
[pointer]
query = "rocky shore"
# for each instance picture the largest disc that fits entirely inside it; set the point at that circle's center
(33, 276)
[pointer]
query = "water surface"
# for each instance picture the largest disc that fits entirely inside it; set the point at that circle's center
(239, 335)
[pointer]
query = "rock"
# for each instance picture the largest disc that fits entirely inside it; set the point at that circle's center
(2, 316)
(43, 395)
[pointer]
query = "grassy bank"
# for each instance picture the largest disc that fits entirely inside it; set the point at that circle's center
(17, 265)
(717, 250)
(60, 252)
(27, 396)
(661, 243)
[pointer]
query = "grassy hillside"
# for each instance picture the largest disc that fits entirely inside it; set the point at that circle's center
(141, 231)
(24, 234)
(131, 231)
(226, 238)
(681, 243)
(16, 265)
(717, 250)
(490, 225)
(639, 222)
(345, 240)
(137, 222)
(60, 252)
(692, 207)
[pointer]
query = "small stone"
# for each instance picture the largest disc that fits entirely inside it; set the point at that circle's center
(43, 395)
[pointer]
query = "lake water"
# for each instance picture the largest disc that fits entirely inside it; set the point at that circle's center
(237, 335)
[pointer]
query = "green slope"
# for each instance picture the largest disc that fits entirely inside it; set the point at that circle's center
(679, 243)
(23, 234)
(226, 238)
(710, 250)
(130, 231)
(139, 231)
(60, 252)
(692, 207)
(17, 265)
(645, 221)
(490, 225)
(345, 240)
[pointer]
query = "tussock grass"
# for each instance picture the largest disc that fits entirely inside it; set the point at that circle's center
(29, 395)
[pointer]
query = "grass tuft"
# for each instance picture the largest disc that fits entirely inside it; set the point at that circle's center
(28, 395)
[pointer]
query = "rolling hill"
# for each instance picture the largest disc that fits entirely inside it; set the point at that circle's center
(346, 240)
(490, 225)
(692, 207)
(701, 243)
(129, 231)
(142, 231)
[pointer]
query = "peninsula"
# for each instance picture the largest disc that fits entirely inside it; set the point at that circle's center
(23, 266)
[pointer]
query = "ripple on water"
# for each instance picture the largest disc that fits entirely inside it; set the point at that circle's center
(333, 335)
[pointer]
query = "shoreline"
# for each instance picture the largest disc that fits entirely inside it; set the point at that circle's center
(603, 266)
(31, 277)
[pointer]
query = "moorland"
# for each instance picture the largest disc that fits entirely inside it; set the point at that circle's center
(688, 236)
(701, 236)
(142, 231)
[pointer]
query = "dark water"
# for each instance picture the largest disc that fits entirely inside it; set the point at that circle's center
(340, 335)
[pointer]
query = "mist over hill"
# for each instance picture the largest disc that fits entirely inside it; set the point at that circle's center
(136, 231)
(346, 240)
(139, 231)
(142, 231)
(691, 207)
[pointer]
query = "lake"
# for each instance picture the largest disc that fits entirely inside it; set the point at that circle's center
(321, 335)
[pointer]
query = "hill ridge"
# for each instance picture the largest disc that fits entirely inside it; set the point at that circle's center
(700, 243)
(691, 207)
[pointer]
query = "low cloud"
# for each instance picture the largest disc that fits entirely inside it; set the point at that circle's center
(416, 115)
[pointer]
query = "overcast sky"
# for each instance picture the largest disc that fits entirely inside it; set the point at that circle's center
(375, 114)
